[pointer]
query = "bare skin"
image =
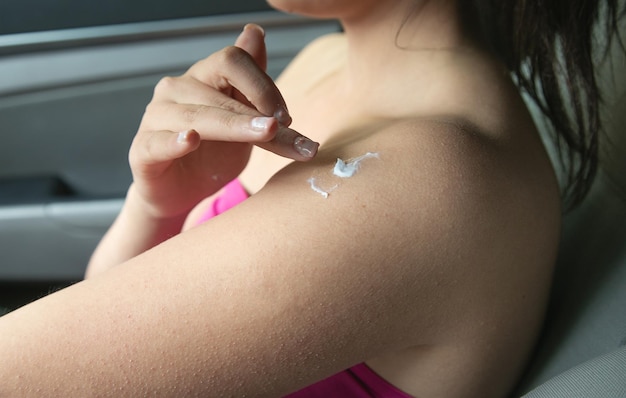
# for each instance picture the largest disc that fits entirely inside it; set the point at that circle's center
(432, 264)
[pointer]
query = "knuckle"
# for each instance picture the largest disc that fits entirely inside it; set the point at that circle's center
(228, 104)
(228, 123)
(265, 89)
(191, 114)
(232, 55)
(165, 85)
(151, 108)
(223, 119)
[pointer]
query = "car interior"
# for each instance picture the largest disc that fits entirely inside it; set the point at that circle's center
(582, 352)
(75, 78)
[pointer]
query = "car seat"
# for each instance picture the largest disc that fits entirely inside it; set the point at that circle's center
(582, 352)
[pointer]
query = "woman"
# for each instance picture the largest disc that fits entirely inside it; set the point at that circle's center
(416, 265)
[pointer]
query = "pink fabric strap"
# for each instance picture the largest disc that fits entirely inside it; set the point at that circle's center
(357, 382)
(379, 386)
(232, 194)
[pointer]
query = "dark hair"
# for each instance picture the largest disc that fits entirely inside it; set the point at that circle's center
(550, 48)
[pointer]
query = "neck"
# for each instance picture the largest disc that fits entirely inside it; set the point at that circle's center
(385, 35)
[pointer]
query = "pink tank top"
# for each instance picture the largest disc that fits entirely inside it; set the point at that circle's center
(356, 382)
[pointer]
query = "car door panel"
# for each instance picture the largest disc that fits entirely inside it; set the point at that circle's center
(70, 104)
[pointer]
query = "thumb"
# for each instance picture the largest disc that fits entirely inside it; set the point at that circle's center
(252, 40)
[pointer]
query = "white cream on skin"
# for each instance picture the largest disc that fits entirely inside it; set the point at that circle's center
(319, 190)
(342, 169)
(349, 168)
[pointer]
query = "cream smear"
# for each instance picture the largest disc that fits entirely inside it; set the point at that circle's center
(342, 169)
(349, 168)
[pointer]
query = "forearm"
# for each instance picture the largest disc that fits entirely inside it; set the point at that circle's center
(134, 231)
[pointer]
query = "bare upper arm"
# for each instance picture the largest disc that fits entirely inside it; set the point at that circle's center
(284, 289)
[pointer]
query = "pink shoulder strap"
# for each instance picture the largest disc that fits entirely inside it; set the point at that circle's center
(232, 194)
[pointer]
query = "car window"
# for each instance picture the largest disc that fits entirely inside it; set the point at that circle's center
(19, 16)
(75, 77)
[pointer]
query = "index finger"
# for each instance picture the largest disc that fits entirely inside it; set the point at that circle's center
(233, 68)
(252, 40)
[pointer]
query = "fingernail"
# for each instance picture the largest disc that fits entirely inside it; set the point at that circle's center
(282, 115)
(305, 147)
(261, 124)
(182, 137)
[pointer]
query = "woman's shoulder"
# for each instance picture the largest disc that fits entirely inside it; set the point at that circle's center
(429, 215)
(436, 162)
(440, 193)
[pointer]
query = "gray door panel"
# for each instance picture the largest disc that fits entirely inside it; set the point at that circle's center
(70, 103)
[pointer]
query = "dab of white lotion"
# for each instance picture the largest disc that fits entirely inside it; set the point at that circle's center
(342, 169)
(348, 169)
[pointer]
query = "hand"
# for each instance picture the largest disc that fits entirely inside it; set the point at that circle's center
(197, 132)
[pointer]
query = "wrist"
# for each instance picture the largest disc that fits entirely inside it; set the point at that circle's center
(141, 218)
(144, 212)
